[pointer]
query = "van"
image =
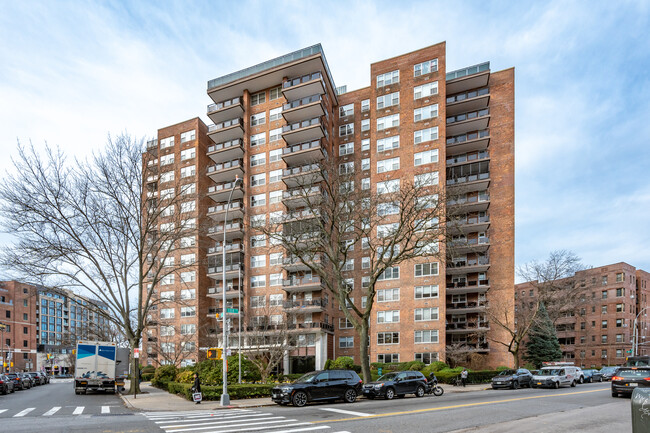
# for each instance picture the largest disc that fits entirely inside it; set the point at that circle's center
(557, 376)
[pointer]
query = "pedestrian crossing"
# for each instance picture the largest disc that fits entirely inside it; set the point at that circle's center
(233, 421)
(58, 410)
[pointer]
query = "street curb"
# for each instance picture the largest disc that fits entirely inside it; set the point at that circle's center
(127, 403)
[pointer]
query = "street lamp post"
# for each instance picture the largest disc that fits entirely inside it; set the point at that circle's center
(239, 320)
(2, 347)
(225, 398)
(635, 333)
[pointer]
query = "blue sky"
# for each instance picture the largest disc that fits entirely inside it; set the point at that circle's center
(71, 72)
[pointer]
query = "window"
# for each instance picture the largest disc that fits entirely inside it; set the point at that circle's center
(603, 279)
(365, 144)
(275, 176)
(427, 358)
(259, 159)
(275, 259)
(167, 331)
(426, 157)
(390, 208)
(426, 179)
(258, 241)
(387, 122)
(275, 300)
(167, 347)
(188, 277)
(426, 314)
(428, 336)
(258, 281)
(620, 323)
(425, 90)
(258, 179)
(188, 136)
(275, 279)
(166, 313)
(275, 114)
(365, 183)
(258, 220)
(347, 129)
(389, 100)
(388, 295)
(620, 308)
(275, 197)
(388, 78)
(258, 301)
(166, 142)
(388, 165)
(188, 189)
(257, 139)
(258, 98)
(388, 338)
(168, 159)
(620, 292)
(386, 230)
(168, 176)
(389, 274)
(426, 269)
(275, 135)
(603, 294)
(188, 206)
(188, 294)
(365, 125)
(365, 105)
(346, 149)
(188, 171)
(346, 168)
(275, 93)
(603, 324)
(425, 67)
(426, 292)
(388, 186)
(388, 143)
(603, 338)
(365, 262)
(258, 261)
(346, 342)
(388, 357)
(258, 200)
(344, 323)
(365, 164)
(258, 119)
(188, 311)
(423, 135)
(346, 110)
(275, 155)
(388, 316)
(620, 277)
(186, 154)
(166, 280)
(619, 338)
(188, 259)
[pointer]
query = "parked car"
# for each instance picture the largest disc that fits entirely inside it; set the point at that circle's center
(593, 375)
(608, 372)
(319, 386)
(27, 380)
(555, 377)
(512, 379)
(628, 378)
(47, 378)
(6, 385)
(396, 384)
(18, 381)
(38, 379)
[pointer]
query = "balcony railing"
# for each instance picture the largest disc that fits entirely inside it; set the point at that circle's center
(469, 136)
(470, 70)
(473, 199)
(470, 178)
(302, 169)
(470, 220)
(225, 145)
(468, 116)
(307, 213)
(302, 146)
(229, 268)
(468, 157)
(468, 95)
(301, 124)
(225, 165)
(470, 262)
(312, 325)
(455, 305)
(152, 143)
(469, 242)
(301, 101)
(222, 186)
(224, 104)
(303, 79)
(234, 246)
(300, 281)
(301, 192)
(230, 226)
(226, 124)
(463, 284)
(222, 207)
(304, 303)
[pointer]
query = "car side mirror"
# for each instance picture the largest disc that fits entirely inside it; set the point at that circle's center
(398, 379)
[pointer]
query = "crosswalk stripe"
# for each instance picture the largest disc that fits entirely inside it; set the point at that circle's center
(24, 412)
(52, 411)
(196, 416)
(3, 410)
(191, 412)
(250, 429)
(79, 410)
(214, 418)
(346, 412)
(323, 427)
(233, 423)
(106, 409)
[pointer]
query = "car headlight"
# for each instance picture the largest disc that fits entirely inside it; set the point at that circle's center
(379, 386)
(286, 389)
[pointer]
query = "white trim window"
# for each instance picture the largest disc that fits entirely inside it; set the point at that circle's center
(187, 154)
(259, 159)
(188, 171)
(344, 323)
(384, 338)
(387, 122)
(426, 292)
(275, 135)
(389, 274)
(168, 159)
(167, 176)
(388, 100)
(258, 98)
(388, 295)
(388, 78)
(389, 208)
(167, 313)
(258, 119)
(424, 113)
(391, 316)
(258, 139)
(258, 241)
(258, 200)
(346, 110)
(188, 311)
(388, 357)
(275, 155)
(346, 342)
(387, 165)
(188, 277)
(426, 157)
(275, 259)
(346, 148)
(388, 143)
(188, 206)
(275, 93)
(275, 114)
(365, 125)
(258, 301)
(258, 179)
(425, 67)
(258, 261)
(275, 197)
(347, 129)
(188, 136)
(365, 144)
(275, 176)
(188, 294)
(365, 164)
(167, 347)
(188, 259)
(276, 299)
(346, 167)
(258, 281)
(258, 220)
(426, 336)
(166, 142)
(426, 269)
(365, 262)
(365, 105)
(426, 179)
(188, 329)
(425, 90)
(388, 186)
(423, 135)
(167, 295)
(365, 183)
(426, 314)
(275, 279)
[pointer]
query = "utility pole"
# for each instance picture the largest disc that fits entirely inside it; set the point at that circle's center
(2, 343)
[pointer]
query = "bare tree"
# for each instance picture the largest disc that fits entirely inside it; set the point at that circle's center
(92, 226)
(516, 326)
(457, 354)
(334, 210)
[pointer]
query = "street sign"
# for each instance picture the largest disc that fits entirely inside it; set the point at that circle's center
(136, 353)
(232, 310)
(628, 351)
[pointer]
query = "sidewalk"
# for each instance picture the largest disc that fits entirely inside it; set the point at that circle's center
(158, 400)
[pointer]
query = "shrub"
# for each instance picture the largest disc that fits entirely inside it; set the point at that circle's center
(289, 377)
(343, 363)
(146, 377)
(328, 365)
(438, 365)
(356, 368)
(148, 369)
(503, 367)
(164, 375)
(214, 392)
(414, 365)
(186, 376)
(250, 372)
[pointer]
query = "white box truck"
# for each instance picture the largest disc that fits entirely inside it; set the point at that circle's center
(95, 366)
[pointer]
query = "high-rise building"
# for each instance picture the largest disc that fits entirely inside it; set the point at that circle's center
(274, 120)
(18, 305)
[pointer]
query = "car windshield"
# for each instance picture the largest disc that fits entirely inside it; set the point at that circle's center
(506, 373)
(633, 374)
(387, 377)
(608, 369)
(309, 377)
(549, 372)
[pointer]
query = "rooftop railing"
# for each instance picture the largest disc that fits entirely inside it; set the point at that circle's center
(470, 70)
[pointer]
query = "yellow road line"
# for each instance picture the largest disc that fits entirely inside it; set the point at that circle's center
(432, 409)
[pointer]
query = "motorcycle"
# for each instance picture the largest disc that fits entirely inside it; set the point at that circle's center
(433, 387)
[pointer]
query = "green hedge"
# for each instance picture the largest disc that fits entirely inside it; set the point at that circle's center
(449, 376)
(146, 377)
(235, 391)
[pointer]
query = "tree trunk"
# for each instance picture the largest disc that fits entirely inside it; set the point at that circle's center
(135, 373)
(365, 361)
(515, 354)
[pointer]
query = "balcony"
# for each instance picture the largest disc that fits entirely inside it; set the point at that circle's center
(304, 306)
(476, 245)
(466, 307)
(301, 176)
(152, 144)
(300, 327)
(234, 230)
(469, 266)
(467, 327)
(226, 171)
(152, 178)
(226, 131)
(220, 193)
(304, 153)
(468, 101)
(304, 284)
(232, 271)
(468, 78)
(306, 214)
(467, 225)
(231, 292)
(231, 247)
(467, 157)
(469, 142)
(459, 288)
(474, 203)
(304, 108)
(470, 183)
(301, 197)
(293, 264)
(303, 131)
(303, 86)
(226, 151)
(235, 211)
(224, 110)
(466, 122)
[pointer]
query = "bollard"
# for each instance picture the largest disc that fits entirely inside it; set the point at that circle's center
(641, 410)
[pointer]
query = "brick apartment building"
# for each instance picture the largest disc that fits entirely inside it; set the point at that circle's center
(18, 304)
(272, 121)
(600, 329)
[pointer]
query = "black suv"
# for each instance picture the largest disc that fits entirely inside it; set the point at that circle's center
(628, 378)
(396, 384)
(319, 386)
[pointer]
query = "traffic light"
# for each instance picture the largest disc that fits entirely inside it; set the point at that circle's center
(214, 353)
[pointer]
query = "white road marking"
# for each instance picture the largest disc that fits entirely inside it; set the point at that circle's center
(24, 412)
(213, 418)
(346, 412)
(79, 410)
(227, 429)
(305, 429)
(106, 409)
(234, 423)
(3, 410)
(52, 411)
